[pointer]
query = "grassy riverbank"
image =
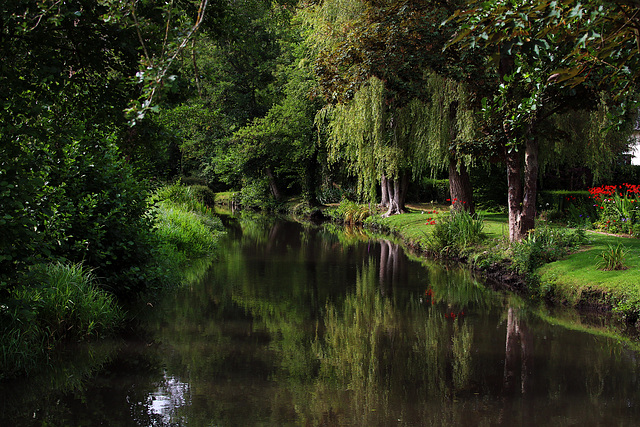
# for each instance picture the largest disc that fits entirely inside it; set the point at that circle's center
(572, 279)
(55, 300)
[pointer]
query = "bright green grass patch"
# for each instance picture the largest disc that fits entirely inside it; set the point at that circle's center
(415, 227)
(577, 276)
(184, 223)
(496, 225)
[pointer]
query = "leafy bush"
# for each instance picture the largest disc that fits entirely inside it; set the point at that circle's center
(544, 244)
(612, 258)
(455, 232)
(79, 202)
(255, 194)
(197, 198)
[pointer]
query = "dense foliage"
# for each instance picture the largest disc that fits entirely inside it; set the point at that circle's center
(103, 101)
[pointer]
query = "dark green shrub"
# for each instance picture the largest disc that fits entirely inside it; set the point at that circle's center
(333, 193)
(77, 202)
(489, 186)
(197, 198)
(100, 217)
(255, 194)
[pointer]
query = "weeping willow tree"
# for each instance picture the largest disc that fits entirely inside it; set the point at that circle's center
(384, 146)
(588, 140)
(391, 116)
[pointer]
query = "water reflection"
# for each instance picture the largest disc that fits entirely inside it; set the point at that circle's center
(170, 396)
(297, 325)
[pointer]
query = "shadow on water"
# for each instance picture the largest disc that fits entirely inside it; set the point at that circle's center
(304, 325)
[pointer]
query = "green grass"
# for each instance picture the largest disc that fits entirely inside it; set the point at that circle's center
(185, 222)
(56, 302)
(414, 227)
(576, 276)
(496, 225)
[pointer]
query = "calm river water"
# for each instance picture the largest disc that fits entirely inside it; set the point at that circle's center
(295, 325)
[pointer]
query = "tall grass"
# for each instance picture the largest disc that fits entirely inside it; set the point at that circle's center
(68, 303)
(612, 258)
(456, 232)
(544, 244)
(351, 212)
(185, 223)
(57, 301)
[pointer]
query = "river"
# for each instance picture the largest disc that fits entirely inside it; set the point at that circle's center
(314, 326)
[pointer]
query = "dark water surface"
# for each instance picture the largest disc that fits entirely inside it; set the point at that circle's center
(302, 326)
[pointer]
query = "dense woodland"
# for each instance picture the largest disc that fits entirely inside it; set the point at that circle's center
(103, 102)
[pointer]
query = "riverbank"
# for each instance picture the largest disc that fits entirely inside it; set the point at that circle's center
(572, 280)
(56, 301)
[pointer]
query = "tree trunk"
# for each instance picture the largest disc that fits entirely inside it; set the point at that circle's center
(514, 194)
(527, 222)
(310, 178)
(384, 183)
(397, 189)
(272, 185)
(522, 203)
(460, 187)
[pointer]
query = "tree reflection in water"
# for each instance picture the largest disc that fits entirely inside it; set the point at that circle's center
(309, 326)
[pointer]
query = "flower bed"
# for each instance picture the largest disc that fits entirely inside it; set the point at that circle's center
(618, 208)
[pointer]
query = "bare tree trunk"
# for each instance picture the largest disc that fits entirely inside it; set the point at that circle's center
(272, 184)
(384, 183)
(397, 189)
(460, 187)
(514, 194)
(522, 203)
(527, 222)
(404, 187)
